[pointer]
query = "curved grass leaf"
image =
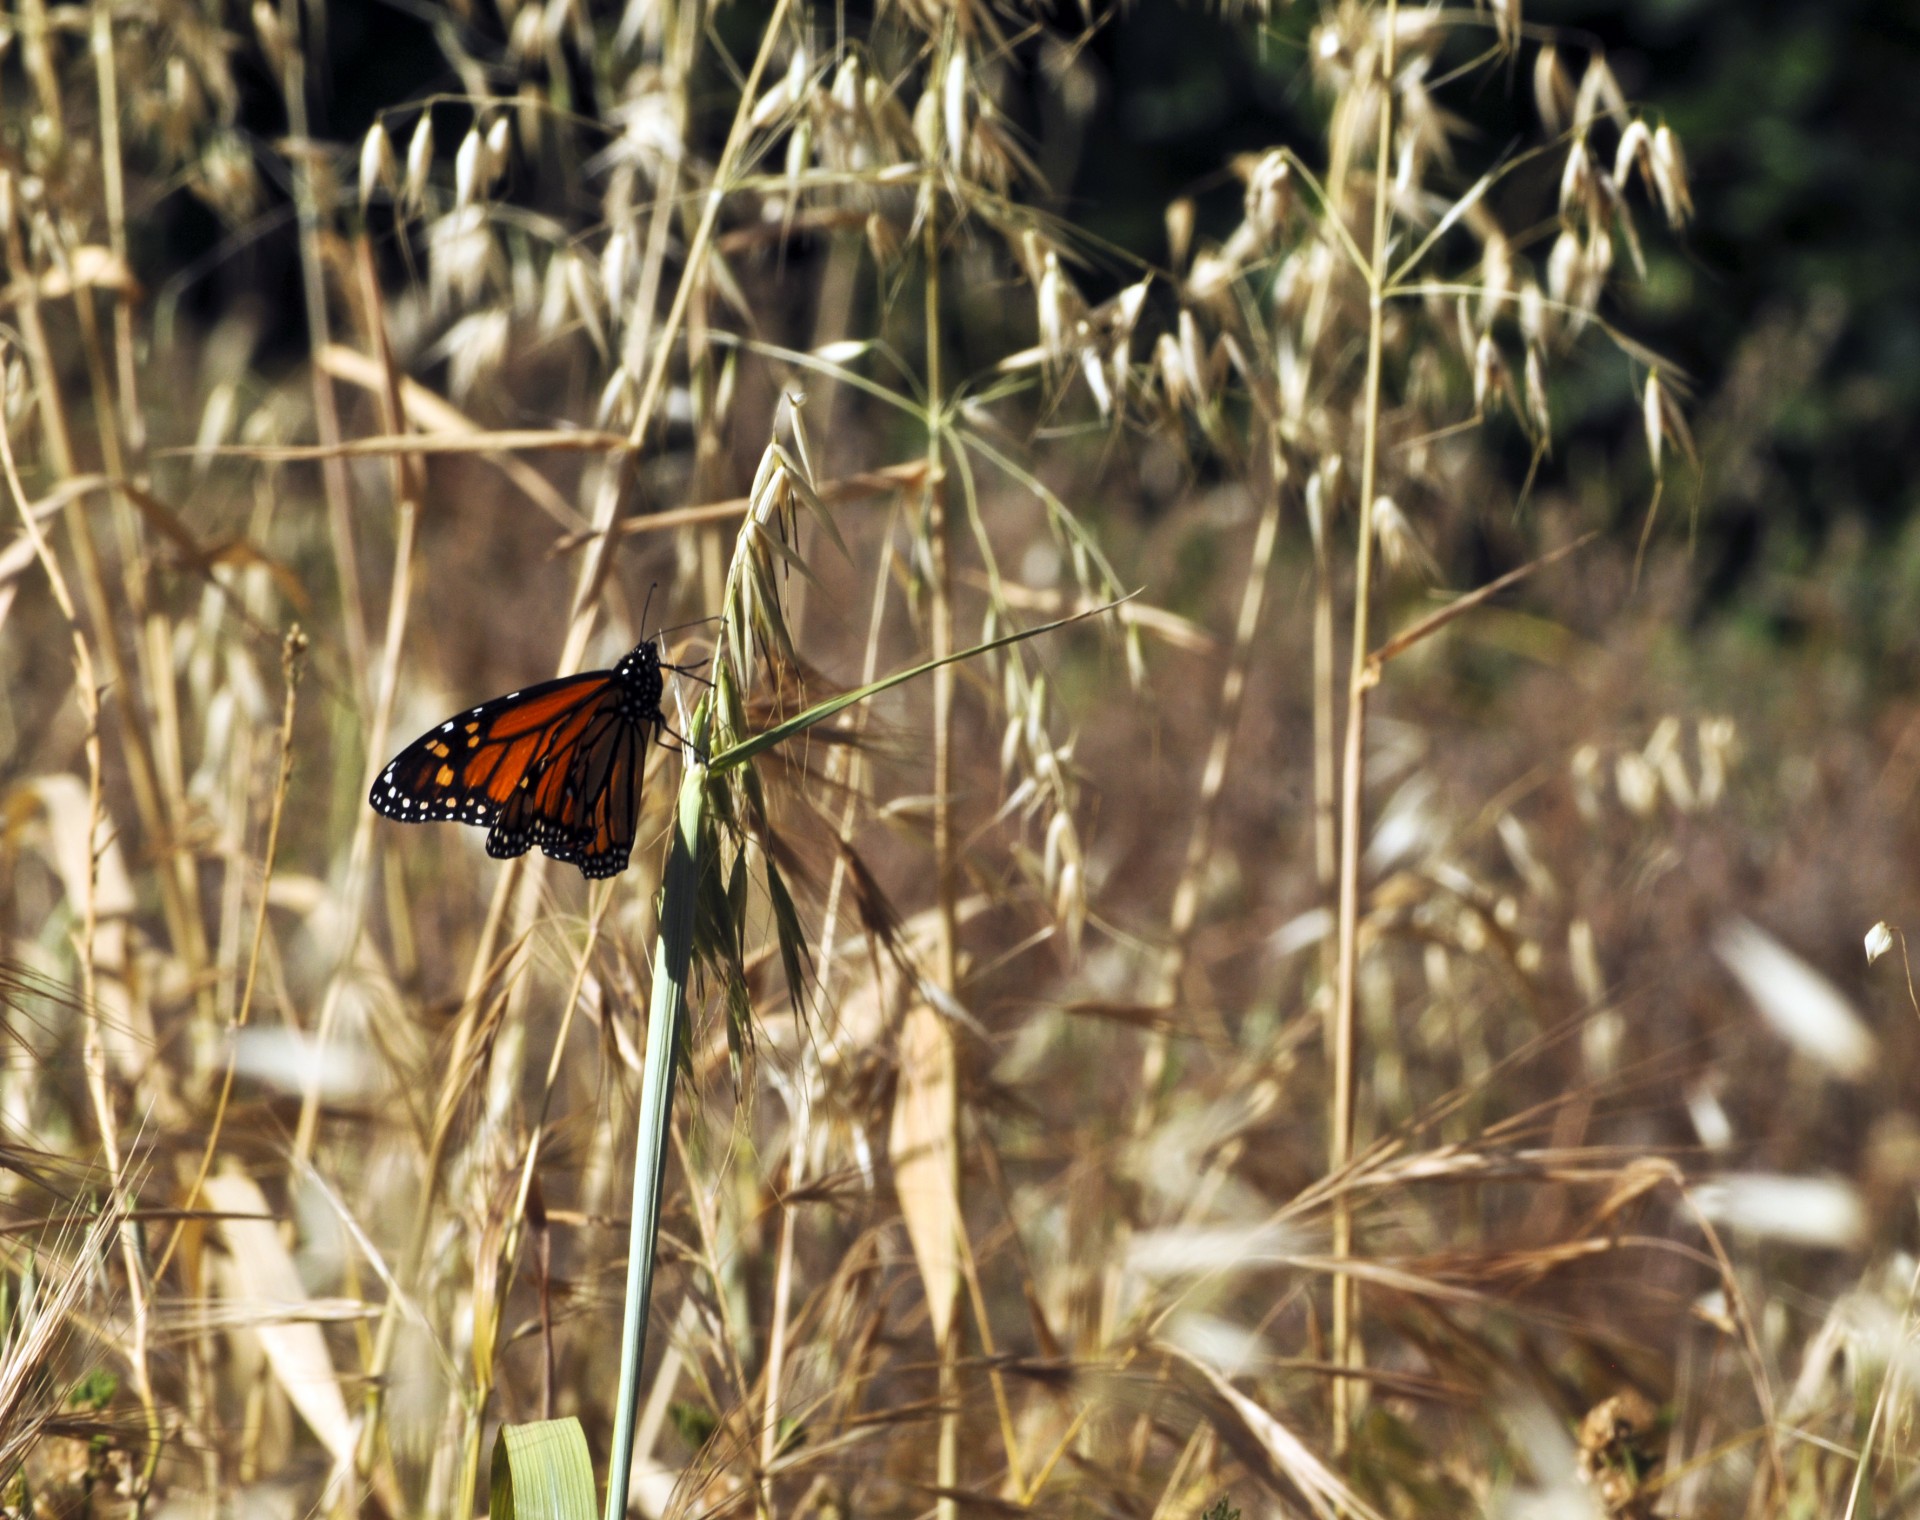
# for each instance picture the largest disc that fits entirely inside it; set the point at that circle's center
(760, 743)
(542, 1471)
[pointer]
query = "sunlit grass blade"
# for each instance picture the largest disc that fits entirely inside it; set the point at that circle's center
(761, 742)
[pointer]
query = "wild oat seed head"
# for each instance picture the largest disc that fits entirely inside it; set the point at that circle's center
(1270, 195)
(469, 169)
(1670, 177)
(1577, 192)
(1584, 769)
(272, 37)
(1400, 544)
(1634, 150)
(1538, 409)
(227, 178)
(475, 347)
(1599, 92)
(499, 147)
(419, 163)
(460, 256)
(1535, 315)
(1718, 744)
(1553, 94)
(1496, 276)
(1653, 415)
(1490, 380)
(1637, 782)
(377, 167)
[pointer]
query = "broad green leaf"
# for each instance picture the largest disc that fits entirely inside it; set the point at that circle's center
(541, 1471)
(761, 742)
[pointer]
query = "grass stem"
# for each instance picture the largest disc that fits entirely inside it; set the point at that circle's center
(1346, 1345)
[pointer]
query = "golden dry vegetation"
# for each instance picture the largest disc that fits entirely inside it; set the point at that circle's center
(1299, 1042)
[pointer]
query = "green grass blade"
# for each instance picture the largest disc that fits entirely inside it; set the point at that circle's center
(761, 742)
(673, 955)
(542, 1471)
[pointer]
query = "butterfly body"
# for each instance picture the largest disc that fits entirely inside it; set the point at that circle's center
(558, 766)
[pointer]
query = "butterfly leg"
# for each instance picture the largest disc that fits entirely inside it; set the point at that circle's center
(686, 744)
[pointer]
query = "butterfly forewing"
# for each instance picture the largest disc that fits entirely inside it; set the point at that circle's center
(558, 767)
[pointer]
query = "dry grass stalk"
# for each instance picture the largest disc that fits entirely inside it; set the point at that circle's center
(992, 940)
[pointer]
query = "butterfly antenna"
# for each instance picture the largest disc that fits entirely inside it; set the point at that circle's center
(647, 605)
(663, 632)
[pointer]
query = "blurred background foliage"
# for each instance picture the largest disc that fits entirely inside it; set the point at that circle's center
(1575, 795)
(1792, 304)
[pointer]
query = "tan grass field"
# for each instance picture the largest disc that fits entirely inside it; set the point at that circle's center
(1376, 1024)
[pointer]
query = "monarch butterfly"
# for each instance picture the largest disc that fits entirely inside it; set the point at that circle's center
(558, 765)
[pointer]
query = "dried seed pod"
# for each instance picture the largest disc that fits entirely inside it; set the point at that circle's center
(1400, 545)
(1635, 148)
(1506, 22)
(954, 109)
(1662, 752)
(1670, 177)
(1718, 743)
(882, 241)
(1552, 90)
(419, 162)
(1638, 785)
(1180, 215)
(1490, 380)
(225, 177)
(1568, 280)
(1599, 91)
(460, 255)
(377, 166)
(1538, 410)
(1664, 420)
(1585, 775)
(1172, 372)
(1269, 196)
(1496, 276)
(499, 148)
(784, 94)
(1576, 182)
(1316, 502)
(468, 169)
(1585, 958)
(185, 107)
(527, 37)
(1193, 360)
(1210, 276)
(1058, 307)
(926, 125)
(556, 298)
(272, 36)
(1653, 416)
(616, 260)
(474, 348)
(1096, 377)
(1534, 314)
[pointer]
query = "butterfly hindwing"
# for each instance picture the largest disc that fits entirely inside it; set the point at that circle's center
(610, 775)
